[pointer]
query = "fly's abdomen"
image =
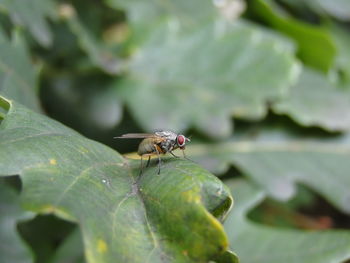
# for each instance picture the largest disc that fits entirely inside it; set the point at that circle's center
(146, 146)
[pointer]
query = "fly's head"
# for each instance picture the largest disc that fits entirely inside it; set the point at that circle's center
(181, 141)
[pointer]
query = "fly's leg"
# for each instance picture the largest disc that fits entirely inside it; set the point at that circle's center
(183, 152)
(141, 168)
(174, 155)
(149, 160)
(159, 161)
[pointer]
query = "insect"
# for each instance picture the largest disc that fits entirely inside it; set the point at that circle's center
(160, 142)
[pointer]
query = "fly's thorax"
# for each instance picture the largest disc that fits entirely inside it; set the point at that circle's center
(169, 141)
(168, 145)
(168, 135)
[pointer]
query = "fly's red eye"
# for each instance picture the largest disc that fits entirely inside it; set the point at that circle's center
(181, 140)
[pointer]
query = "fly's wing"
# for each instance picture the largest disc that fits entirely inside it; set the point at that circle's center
(136, 136)
(155, 138)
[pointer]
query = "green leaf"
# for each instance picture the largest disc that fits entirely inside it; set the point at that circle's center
(341, 38)
(154, 218)
(315, 101)
(97, 51)
(17, 73)
(12, 247)
(206, 76)
(264, 244)
(144, 16)
(340, 9)
(315, 45)
(277, 161)
(31, 14)
(141, 13)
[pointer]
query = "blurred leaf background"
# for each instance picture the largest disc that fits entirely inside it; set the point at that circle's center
(262, 86)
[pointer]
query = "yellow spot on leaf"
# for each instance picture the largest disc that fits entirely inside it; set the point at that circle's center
(101, 246)
(53, 161)
(83, 150)
(192, 197)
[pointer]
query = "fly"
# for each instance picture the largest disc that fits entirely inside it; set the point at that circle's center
(160, 142)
